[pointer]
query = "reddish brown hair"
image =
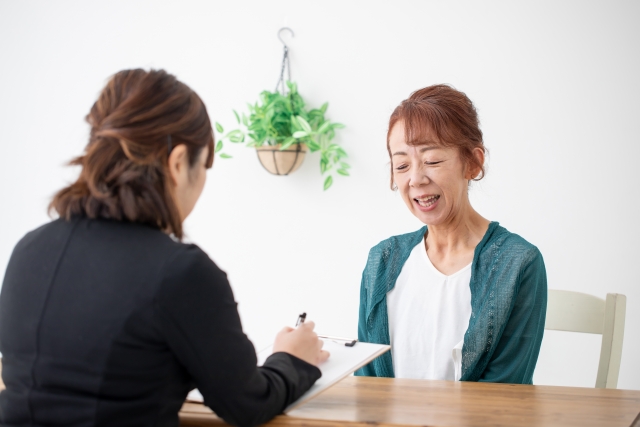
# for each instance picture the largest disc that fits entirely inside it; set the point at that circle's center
(139, 116)
(442, 111)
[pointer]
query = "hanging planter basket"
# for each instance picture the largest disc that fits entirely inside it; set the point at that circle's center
(281, 162)
(282, 116)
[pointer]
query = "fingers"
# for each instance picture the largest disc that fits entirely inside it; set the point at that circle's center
(323, 356)
(308, 325)
(301, 342)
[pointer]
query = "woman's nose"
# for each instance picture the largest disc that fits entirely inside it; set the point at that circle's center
(418, 177)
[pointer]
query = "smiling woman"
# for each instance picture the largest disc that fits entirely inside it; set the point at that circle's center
(462, 298)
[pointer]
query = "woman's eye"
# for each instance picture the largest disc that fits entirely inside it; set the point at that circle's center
(432, 163)
(401, 167)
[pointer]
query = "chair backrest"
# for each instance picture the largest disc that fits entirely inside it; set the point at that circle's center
(578, 312)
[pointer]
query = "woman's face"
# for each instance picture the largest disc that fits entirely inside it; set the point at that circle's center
(432, 179)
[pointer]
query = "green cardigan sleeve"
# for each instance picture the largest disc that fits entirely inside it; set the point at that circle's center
(367, 370)
(516, 354)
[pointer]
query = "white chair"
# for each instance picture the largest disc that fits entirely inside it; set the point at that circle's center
(578, 312)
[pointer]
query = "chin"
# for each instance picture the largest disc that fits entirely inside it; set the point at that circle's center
(430, 218)
(425, 219)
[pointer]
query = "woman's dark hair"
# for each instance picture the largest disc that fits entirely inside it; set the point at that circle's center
(445, 112)
(136, 121)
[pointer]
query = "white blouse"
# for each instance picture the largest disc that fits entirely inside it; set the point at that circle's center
(428, 317)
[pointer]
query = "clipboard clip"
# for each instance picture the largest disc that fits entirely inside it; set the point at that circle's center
(348, 342)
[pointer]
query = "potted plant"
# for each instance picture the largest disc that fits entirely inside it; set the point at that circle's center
(281, 130)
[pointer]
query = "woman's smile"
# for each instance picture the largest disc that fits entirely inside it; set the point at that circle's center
(427, 202)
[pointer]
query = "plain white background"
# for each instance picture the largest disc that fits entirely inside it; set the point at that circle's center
(555, 83)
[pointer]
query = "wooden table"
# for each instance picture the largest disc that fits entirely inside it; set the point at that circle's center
(363, 401)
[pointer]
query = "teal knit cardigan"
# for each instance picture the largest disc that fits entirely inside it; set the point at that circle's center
(508, 305)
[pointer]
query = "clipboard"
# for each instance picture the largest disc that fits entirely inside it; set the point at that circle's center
(343, 361)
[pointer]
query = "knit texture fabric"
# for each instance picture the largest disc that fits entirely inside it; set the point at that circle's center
(508, 305)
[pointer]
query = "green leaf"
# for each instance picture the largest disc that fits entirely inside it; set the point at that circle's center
(344, 165)
(218, 146)
(287, 143)
(323, 166)
(324, 107)
(299, 134)
(219, 127)
(324, 127)
(313, 146)
(304, 124)
(237, 116)
(236, 136)
(341, 151)
(343, 172)
(245, 121)
(225, 156)
(337, 126)
(328, 182)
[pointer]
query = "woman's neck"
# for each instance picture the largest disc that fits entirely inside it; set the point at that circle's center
(451, 246)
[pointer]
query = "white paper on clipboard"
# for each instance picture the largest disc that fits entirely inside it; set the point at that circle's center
(342, 362)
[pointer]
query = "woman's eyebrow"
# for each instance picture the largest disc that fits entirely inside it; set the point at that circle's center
(429, 147)
(422, 150)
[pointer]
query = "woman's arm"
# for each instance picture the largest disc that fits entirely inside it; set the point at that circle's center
(516, 354)
(366, 370)
(199, 318)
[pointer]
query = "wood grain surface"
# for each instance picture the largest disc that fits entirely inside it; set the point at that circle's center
(363, 401)
(386, 402)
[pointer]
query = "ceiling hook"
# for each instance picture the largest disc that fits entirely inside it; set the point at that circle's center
(280, 38)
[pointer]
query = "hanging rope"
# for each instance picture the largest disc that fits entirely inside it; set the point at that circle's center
(282, 83)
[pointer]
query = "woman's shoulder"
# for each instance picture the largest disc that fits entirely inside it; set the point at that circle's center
(400, 241)
(93, 237)
(500, 243)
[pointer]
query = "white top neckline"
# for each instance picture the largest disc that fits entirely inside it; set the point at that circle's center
(428, 315)
(450, 276)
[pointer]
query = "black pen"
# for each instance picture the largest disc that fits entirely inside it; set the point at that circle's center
(301, 319)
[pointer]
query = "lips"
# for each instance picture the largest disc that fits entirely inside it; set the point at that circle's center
(426, 201)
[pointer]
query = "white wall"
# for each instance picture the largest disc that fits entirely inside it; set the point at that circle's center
(555, 82)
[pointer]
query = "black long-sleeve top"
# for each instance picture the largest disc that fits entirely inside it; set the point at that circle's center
(112, 323)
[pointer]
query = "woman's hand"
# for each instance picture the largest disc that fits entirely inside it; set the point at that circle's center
(302, 343)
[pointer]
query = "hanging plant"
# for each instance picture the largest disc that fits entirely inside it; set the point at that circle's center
(282, 123)
(281, 130)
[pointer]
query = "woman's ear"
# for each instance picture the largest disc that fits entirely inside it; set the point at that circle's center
(474, 168)
(178, 164)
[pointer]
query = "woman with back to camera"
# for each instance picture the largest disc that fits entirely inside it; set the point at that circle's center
(105, 319)
(462, 298)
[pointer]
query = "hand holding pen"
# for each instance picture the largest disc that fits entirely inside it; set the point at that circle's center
(348, 342)
(301, 342)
